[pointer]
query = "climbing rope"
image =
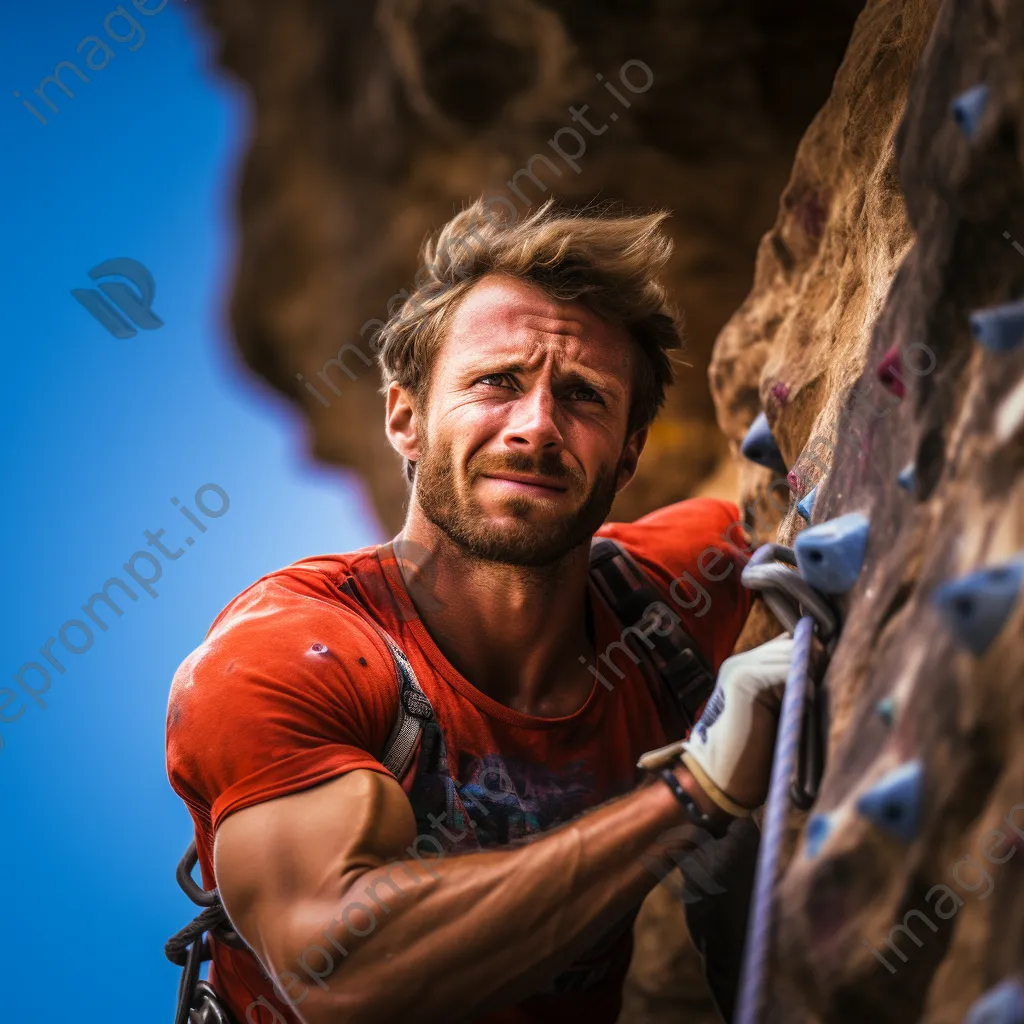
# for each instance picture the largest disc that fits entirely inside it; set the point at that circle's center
(802, 610)
(759, 929)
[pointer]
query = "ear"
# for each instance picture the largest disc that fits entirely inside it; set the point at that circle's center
(401, 423)
(630, 458)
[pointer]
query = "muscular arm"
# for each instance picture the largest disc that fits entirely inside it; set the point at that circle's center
(302, 876)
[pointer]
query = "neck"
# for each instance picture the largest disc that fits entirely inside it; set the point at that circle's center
(515, 632)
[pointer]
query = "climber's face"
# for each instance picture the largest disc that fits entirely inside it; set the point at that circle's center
(520, 444)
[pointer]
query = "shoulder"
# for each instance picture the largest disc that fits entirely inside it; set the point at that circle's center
(287, 615)
(678, 535)
(291, 682)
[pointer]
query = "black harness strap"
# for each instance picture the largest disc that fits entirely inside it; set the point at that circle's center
(678, 668)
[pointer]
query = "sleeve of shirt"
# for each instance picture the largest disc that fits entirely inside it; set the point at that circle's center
(694, 551)
(285, 692)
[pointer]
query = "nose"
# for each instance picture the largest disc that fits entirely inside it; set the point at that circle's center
(532, 426)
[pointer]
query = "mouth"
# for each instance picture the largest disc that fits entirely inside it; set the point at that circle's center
(529, 483)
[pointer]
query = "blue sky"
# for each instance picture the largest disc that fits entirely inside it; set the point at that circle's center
(100, 434)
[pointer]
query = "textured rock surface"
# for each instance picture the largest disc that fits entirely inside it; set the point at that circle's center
(887, 236)
(373, 122)
(799, 341)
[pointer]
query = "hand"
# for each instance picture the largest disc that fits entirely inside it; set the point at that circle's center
(729, 751)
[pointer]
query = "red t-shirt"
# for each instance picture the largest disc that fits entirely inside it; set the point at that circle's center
(293, 686)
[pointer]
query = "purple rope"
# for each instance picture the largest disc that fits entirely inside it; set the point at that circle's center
(759, 928)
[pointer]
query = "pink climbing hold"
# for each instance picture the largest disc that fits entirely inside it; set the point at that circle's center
(794, 480)
(780, 392)
(890, 372)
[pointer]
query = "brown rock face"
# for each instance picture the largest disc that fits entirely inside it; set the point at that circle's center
(373, 122)
(895, 226)
(799, 342)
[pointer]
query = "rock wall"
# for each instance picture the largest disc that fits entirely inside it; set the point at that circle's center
(897, 223)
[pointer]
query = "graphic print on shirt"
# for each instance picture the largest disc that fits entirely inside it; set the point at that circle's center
(521, 799)
(504, 800)
(495, 800)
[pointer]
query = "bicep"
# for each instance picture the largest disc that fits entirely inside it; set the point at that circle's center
(283, 866)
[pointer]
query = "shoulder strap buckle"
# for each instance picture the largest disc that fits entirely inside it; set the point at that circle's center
(672, 655)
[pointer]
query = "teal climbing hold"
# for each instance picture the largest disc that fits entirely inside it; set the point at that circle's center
(760, 446)
(830, 554)
(818, 828)
(1003, 1004)
(893, 804)
(999, 328)
(886, 709)
(975, 607)
(969, 108)
(805, 506)
(906, 477)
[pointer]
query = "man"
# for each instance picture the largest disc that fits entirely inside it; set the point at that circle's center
(521, 379)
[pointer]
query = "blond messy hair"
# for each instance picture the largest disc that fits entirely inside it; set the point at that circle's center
(609, 263)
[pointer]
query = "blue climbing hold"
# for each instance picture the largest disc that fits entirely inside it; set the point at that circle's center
(975, 607)
(906, 477)
(818, 828)
(886, 709)
(805, 506)
(830, 554)
(969, 108)
(1003, 1004)
(759, 446)
(893, 804)
(999, 328)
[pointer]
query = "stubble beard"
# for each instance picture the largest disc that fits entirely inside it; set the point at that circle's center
(462, 519)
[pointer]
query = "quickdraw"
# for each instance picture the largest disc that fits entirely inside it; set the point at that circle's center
(790, 597)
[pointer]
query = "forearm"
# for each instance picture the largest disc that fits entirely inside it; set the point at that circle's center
(485, 927)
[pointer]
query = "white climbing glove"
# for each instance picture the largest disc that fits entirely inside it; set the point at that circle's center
(729, 752)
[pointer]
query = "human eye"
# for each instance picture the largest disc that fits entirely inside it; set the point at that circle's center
(585, 393)
(499, 380)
